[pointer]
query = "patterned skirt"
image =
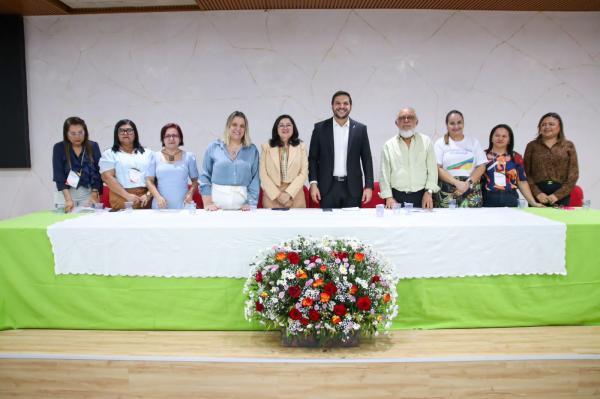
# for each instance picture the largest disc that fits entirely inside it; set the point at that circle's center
(473, 198)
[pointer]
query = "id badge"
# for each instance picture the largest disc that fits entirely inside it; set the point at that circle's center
(135, 176)
(73, 179)
(499, 179)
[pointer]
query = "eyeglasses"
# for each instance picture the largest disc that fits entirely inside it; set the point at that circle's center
(171, 136)
(126, 130)
(407, 118)
(76, 133)
(289, 125)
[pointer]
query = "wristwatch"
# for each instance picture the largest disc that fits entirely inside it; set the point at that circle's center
(470, 182)
(430, 191)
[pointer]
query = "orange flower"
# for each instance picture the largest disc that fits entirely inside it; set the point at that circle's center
(301, 274)
(359, 256)
(264, 294)
(379, 318)
(387, 297)
(279, 256)
(307, 302)
(325, 297)
(336, 319)
(323, 268)
(353, 289)
(319, 282)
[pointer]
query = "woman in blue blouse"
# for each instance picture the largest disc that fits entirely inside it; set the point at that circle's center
(172, 167)
(504, 172)
(75, 166)
(229, 178)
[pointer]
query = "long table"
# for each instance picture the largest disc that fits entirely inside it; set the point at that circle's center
(33, 296)
(175, 243)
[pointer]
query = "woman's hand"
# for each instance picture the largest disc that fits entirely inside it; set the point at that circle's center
(461, 187)
(189, 198)
(284, 198)
(552, 198)
(246, 208)
(69, 205)
(94, 198)
(133, 198)
(543, 198)
(390, 202)
(536, 204)
(161, 202)
(212, 207)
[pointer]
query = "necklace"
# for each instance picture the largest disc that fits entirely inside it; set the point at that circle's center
(233, 152)
(170, 157)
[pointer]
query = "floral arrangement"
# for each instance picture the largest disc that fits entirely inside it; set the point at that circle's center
(325, 288)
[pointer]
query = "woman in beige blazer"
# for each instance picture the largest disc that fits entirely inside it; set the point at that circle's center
(283, 166)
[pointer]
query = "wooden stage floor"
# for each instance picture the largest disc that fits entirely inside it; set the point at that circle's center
(538, 362)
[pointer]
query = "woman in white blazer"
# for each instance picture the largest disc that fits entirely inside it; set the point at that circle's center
(283, 166)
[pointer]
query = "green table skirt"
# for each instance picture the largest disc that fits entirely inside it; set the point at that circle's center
(32, 296)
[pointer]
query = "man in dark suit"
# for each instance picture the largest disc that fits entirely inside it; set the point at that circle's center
(338, 147)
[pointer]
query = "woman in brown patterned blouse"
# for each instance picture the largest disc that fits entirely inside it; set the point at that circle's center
(551, 162)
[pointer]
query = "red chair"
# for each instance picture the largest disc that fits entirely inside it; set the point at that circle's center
(576, 197)
(105, 195)
(375, 198)
(197, 199)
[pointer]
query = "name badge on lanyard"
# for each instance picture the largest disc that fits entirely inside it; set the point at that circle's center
(73, 179)
(499, 179)
(135, 175)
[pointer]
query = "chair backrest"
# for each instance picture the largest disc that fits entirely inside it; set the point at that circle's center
(105, 195)
(375, 199)
(576, 196)
(197, 199)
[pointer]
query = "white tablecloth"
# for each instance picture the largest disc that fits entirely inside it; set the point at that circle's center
(442, 243)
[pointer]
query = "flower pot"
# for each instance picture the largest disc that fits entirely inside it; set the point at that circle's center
(313, 341)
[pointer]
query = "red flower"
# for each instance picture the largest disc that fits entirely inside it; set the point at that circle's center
(339, 309)
(259, 307)
(330, 288)
(295, 314)
(294, 291)
(363, 303)
(375, 279)
(314, 258)
(304, 321)
(313, 315)
(353, 289)
(359, 256)
(293, 257)
(259, 277)
(340, 255)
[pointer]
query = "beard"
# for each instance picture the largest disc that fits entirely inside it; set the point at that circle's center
(406, 134)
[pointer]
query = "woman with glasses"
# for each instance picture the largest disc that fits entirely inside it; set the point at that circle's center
(461, 163)
(75, 167)
(551, 162)
(283, 166)
(229, 178)
(123, 167)
(172, 167)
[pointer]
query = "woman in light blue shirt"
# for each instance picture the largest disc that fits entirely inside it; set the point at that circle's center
(123, 167)
(229, 178)
(173, 168)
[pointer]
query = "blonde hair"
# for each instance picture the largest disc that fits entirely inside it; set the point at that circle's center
(246, 139)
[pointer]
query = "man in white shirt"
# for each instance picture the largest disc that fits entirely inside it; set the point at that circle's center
(339, 146)
(408, 172)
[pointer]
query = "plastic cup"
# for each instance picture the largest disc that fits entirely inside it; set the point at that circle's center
(191, 208)
(587, 204)
(253, 207)
(59, 208)
(408, 207)
(379, 210)
(522, 203)
(397, 208)
(128, 206)
(452, 204)
(98, 207)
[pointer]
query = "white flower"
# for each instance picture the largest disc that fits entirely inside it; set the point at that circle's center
(343, 269)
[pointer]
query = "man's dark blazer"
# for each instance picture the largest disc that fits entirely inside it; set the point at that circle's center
(321, 157)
